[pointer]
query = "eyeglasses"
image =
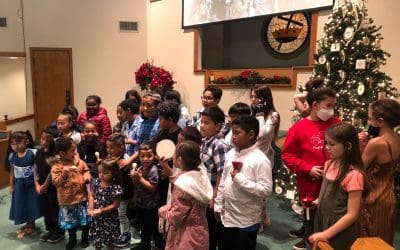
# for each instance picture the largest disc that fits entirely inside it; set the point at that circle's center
(207, 98)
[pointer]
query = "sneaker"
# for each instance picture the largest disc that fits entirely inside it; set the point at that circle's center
(45, 237)
(57, 237)
(123, 240)
(299, 233)
(70, 244)
(301, 245)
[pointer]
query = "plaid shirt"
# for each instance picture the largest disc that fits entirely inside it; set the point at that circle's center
(196, 120)
(130, 131)
(212, 155)
(147, 130)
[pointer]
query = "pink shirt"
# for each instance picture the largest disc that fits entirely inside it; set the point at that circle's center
(354, 180)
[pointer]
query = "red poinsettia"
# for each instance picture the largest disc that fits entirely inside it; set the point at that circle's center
(245, 74)
(152, 77)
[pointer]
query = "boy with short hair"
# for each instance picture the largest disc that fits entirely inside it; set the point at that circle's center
(236, 110)
(212, 155)
(132, 121)
(210, 98)
(168, 115)
(245, 183)
(149, 126)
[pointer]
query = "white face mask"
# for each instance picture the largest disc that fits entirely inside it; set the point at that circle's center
(325, 114)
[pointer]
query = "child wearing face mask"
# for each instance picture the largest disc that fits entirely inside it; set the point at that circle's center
(303, 150)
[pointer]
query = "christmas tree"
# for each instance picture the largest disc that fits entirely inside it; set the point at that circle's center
(349, 57)
(286, 187)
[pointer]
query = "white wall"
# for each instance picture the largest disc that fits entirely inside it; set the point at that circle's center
(172, 47)
(104, 60)
(12, 87)
(11, 37)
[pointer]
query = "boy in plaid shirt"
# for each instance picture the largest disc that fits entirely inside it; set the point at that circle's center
(212, 155)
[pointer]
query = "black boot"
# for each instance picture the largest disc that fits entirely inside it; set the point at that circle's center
(85, 237)
(71, 240)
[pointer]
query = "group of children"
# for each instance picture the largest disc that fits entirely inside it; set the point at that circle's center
(211, 194)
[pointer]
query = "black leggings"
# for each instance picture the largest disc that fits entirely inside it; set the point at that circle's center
(85, 233)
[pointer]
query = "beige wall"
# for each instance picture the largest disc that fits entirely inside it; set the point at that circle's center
(104, 60)
(11, 37)
(172, 47)
(12, 87)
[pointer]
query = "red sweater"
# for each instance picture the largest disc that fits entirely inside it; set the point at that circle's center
(102, 121)
(304, 149)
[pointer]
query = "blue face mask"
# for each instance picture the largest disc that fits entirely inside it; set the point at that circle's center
(373, 131)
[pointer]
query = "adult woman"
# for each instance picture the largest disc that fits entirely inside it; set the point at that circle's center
(380, 157)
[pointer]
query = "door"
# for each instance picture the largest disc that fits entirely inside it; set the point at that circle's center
(51, 84)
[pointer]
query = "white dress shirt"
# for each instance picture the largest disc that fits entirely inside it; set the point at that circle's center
(240, 199)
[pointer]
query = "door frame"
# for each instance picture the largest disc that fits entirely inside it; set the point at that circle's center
(31, 50)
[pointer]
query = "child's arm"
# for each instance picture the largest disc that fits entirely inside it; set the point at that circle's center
(291, 154)
(165, 166)
(91, 203)
(151, 186)
(11, 181)
(110, 207)
(125, 162)
(353, 210)
(218, 201)
(267, 127)
(219, 155)
(177, 212)
(262, 186)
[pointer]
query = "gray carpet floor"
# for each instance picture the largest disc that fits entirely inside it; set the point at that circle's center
(275, 237)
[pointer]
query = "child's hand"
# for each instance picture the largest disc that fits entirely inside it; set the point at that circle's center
(37, 188)
(318, 236)
(123, 163)
(135, 176)
(217, 216)
(96, 212)
(162, 211)
(316, 172)
(130, 141)
(234, 172)
(43, 189)
(315, 202)
(11, 188)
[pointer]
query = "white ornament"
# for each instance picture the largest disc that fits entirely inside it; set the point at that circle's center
(361, 64)
(342, 74)
(322, 59)
(382, 84)
(348, 34)
(361, 88)
(335, 47)
(278, 190)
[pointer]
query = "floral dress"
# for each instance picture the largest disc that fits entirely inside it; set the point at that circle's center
(105, 228)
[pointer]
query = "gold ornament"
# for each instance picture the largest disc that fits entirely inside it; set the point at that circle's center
(342, 56)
